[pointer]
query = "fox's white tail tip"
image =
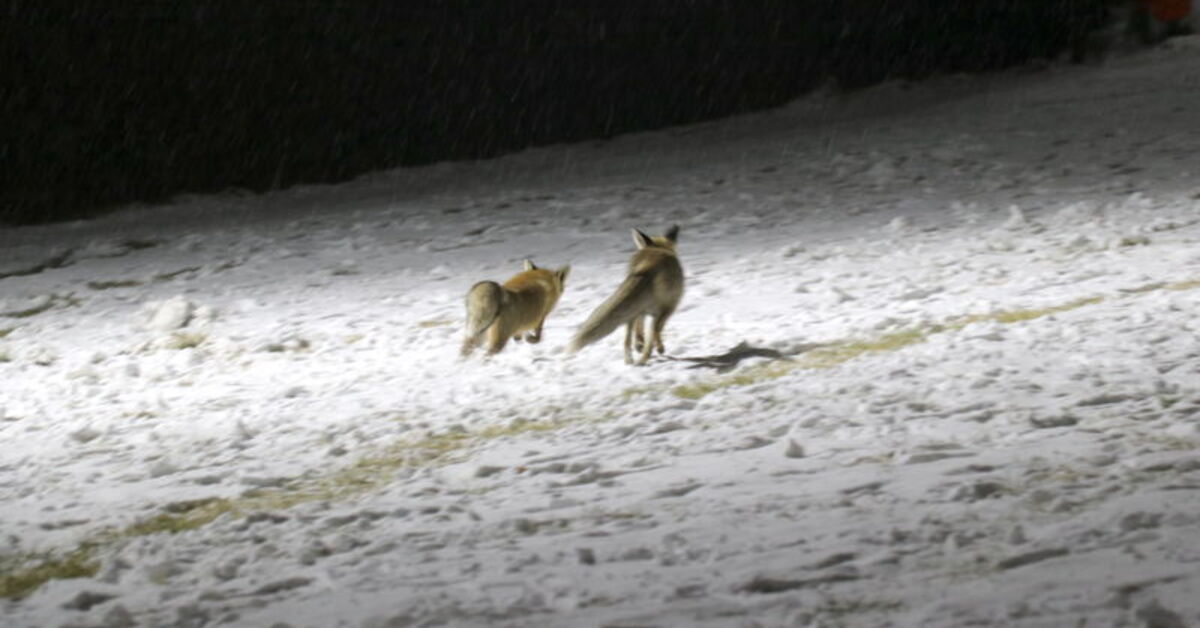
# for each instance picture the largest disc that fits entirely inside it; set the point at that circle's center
(575, 346)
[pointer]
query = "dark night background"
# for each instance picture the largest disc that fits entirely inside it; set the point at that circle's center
(109, 102)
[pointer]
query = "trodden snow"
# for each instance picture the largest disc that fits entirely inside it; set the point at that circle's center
(970, 392)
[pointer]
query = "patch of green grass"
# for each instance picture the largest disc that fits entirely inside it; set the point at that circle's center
(180, 517)
(58, 261)
(55, 300)
(368, 473)
(1134, 241)
(841, 607)
(1058, 475)
(175, 273)
(32, 311)
(22, 575)
(365, 474)
(837, 353)
(5, 356)
(375, 471)
(752, 375)
(1183, 285)
(1018, 316)
(24, 578)
(119, 283)
(1166, 442)
(826, 356)
(437, 322)
(637, 391)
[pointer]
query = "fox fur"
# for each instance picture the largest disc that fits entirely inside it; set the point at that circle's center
(498, 312)
(652, 288)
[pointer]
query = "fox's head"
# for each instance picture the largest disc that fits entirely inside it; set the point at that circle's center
(665, 241)
(560, 275)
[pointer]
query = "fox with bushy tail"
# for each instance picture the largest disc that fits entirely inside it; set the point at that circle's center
(498, 312)
(652, 288)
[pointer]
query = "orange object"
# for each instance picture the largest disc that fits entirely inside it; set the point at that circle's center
(1169, 10)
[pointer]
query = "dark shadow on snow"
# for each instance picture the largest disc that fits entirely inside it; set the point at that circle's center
(725, 362)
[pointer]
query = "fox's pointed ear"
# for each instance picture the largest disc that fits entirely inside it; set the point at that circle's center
(562, 273)
(640, 239)
(673, 233)
(529, 265)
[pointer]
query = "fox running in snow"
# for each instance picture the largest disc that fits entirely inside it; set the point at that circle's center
(653, 287)
(497, 312)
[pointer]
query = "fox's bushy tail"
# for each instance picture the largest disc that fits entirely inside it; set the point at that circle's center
(483, 306)
(632, 298)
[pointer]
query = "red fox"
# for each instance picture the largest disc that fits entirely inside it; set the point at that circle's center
(520, 305)
(653, 287)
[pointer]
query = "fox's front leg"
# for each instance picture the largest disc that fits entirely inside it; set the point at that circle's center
(535, 336)
(659, 323)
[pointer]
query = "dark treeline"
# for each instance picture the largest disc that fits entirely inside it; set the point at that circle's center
(107, 102)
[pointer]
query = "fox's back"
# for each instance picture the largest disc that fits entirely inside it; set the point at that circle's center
(660, 266)
(532, 293)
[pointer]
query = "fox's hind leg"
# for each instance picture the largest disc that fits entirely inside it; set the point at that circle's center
(647, 342)
(629, 331)
(496, 339)
(535, 336)
(497, 345)
(660, 322)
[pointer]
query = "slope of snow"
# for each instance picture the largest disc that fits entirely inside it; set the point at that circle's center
(984, 293)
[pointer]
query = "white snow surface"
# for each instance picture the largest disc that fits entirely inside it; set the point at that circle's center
(1034, 465)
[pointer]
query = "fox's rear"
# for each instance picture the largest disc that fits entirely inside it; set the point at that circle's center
(484, 301)
(497, 312)
(653, 287)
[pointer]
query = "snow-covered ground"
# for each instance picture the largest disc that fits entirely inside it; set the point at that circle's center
(249, 411)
